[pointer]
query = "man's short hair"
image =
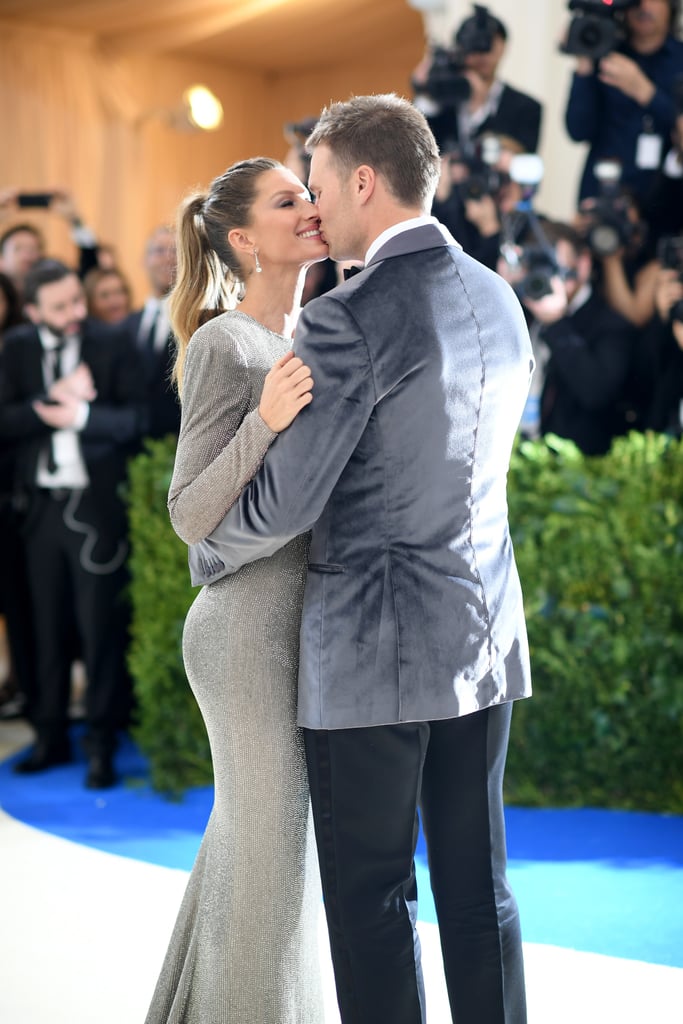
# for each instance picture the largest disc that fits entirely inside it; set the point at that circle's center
(17, 229)
(44, 272)
(387, 133)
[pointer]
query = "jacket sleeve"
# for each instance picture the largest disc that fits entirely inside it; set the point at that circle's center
(582, 116)
(119, 414)
(18, 419)
(290, 491)
(221, 443)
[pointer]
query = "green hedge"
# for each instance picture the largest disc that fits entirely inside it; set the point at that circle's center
(599, 545)
(169, 729)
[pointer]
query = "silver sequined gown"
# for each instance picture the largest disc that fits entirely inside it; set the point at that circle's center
(244, 948)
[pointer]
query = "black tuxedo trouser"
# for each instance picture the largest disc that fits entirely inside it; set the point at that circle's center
(366, 788)
(15, 602)
(64, 594)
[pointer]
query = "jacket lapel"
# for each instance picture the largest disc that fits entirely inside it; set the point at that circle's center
(428, 236)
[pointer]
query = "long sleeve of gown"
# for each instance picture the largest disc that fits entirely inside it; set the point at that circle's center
(223, 439)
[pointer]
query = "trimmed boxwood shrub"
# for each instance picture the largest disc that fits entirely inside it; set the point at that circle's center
(169, 728)
(599, 545)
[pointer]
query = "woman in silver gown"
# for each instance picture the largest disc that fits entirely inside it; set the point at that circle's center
(244, 948)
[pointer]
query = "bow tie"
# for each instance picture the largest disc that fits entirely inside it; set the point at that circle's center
(351, 272)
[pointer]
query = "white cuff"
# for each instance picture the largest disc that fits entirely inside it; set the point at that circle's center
(81, 416)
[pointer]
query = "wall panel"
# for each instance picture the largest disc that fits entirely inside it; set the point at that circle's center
(76, 118)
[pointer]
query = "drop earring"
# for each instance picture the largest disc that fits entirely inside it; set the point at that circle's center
(258, 265)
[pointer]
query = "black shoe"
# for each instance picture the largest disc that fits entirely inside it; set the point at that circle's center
(100, 772)
(44, 755)
(13, 707)
(12, 702)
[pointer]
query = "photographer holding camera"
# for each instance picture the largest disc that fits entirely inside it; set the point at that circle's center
(582, 347)
(476, 193)
(619, 239)
(621, 97)
(664, 341)
(458, 90)
(665, 210)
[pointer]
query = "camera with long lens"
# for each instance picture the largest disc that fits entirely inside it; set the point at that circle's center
(481, 174)
(525, 246)
(610, 228)
(597, 29)
(670, 255)
(446, 82)
(540, 266)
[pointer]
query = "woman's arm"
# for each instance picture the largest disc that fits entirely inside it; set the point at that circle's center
(222, 443)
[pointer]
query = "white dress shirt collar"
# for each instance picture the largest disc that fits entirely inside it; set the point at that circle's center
(399, 228)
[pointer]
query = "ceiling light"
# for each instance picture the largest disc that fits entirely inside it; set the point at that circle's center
(202, 108)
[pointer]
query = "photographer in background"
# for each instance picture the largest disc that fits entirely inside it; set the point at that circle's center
(582, 347)
(461, 96)
(664, 340)
(476, 194)
(665, 210)
(619, 239)
(22, 244)
(621, 97)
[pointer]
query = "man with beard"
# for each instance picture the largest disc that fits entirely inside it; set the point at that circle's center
(72, 407)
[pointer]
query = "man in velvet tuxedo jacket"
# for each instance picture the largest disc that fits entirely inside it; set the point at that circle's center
(413, 641)
(72, 408)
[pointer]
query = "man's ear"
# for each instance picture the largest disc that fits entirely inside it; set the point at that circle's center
(240, 241)
(365, 182)
(32, 312)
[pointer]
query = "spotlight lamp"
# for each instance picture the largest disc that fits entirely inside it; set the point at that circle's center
(203, 109)
(198, 110)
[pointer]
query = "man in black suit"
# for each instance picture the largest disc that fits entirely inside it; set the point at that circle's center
(72, 406)
(481, 103)
(151, 329)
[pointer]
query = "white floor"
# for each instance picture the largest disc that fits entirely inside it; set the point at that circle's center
(83, 933)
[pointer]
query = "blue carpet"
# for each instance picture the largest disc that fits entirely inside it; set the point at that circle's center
(600, 881)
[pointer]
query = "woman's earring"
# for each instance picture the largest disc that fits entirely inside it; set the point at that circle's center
(258, 265)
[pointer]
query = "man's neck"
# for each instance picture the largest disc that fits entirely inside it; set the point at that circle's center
(391, 218)
(647, 46)
(392, 227)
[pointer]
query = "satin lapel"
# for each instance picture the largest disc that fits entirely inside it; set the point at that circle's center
(430, 236)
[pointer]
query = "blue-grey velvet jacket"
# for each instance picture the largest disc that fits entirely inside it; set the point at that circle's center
(413, 608)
